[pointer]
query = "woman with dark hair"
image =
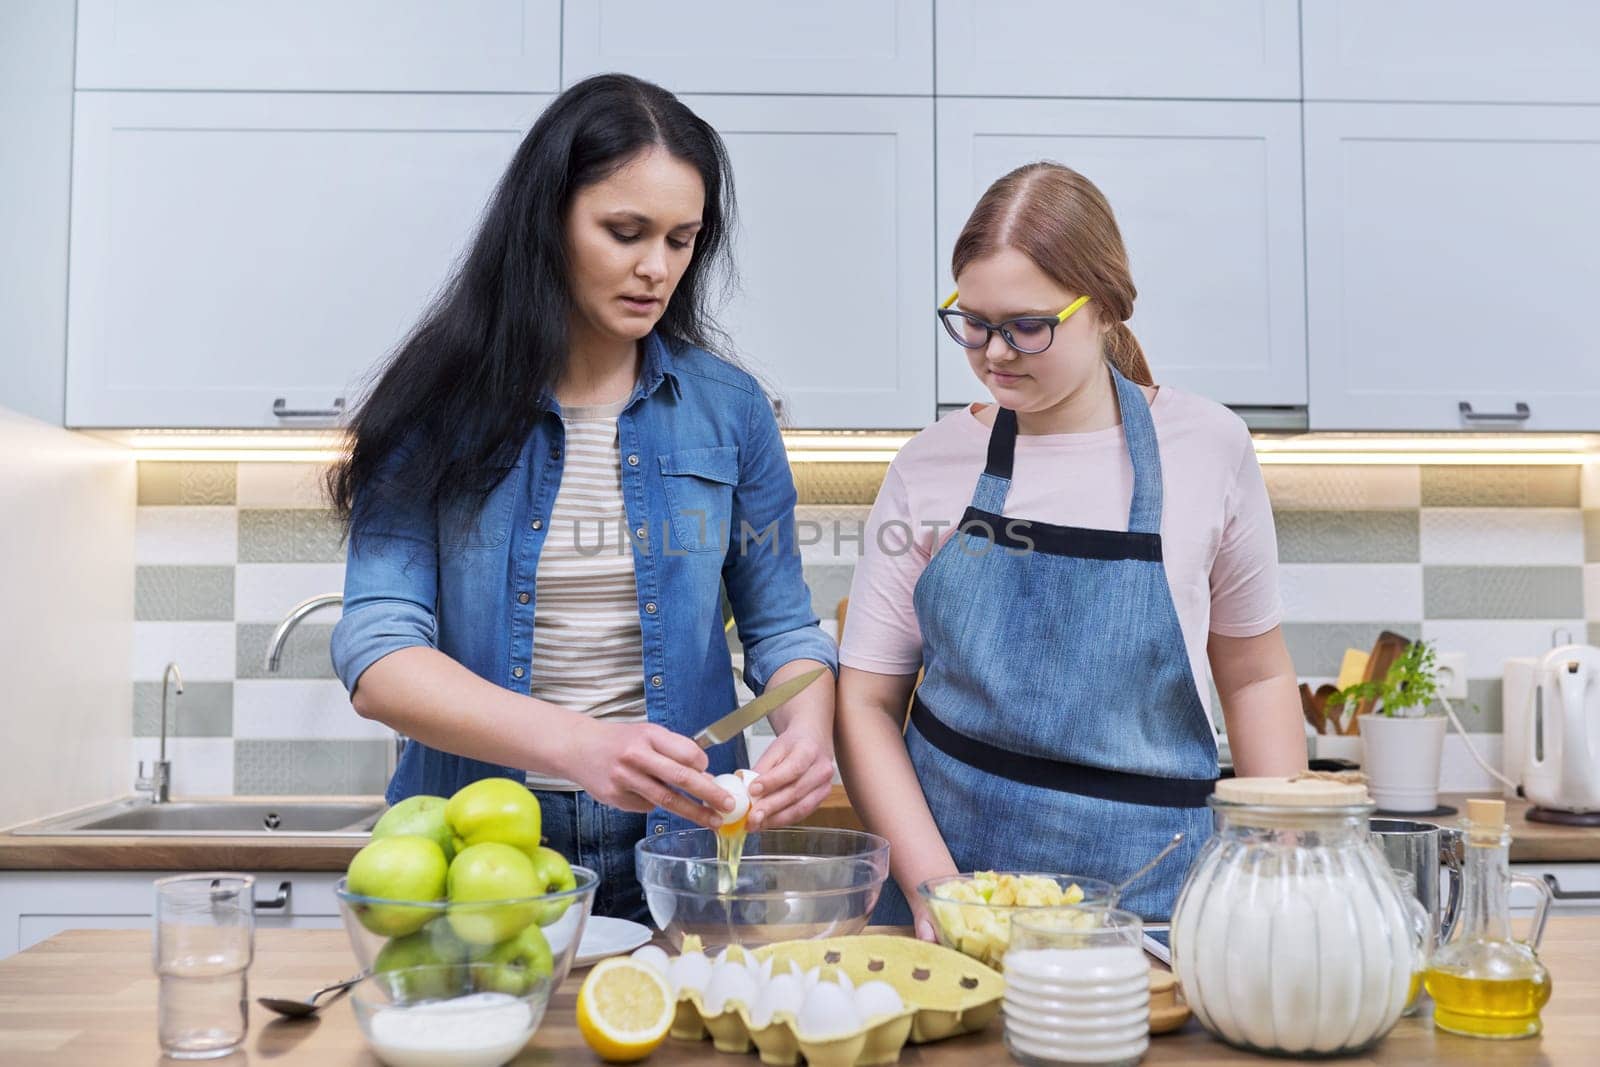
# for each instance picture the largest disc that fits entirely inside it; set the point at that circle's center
(551, 485)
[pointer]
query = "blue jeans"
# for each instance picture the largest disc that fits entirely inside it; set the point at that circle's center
(601, 838)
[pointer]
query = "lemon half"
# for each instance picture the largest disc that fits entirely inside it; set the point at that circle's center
(624, 1009)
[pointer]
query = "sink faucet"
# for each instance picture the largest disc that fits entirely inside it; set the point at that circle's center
(293, 619)
(296, 615)
(159, 782)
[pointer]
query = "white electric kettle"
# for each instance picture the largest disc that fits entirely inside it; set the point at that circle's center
(1562, 770)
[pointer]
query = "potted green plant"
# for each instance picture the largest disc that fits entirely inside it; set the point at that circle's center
(1402, 739)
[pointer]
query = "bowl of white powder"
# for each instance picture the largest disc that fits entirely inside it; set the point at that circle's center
(451, 1015)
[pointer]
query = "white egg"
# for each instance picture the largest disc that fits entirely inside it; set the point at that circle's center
(691, 971)
(731, 983)
(766, 969)
(655, 958)
(827, 1012)
(784, 993)
(878, 998)
(735, 787)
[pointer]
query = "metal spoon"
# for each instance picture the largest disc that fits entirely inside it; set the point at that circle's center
(299, 1009)
(1177, 839)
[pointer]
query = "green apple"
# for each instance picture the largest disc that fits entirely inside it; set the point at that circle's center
(555, 876)
(485, 873)
(494, 809)
(404, 868)
(435, 945)
(421, 815)
(524, 959)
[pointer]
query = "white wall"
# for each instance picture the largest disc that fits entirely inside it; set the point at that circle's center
(66, 618)
(36, 39)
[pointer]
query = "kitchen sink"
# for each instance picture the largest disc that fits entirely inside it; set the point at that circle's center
(353, 818)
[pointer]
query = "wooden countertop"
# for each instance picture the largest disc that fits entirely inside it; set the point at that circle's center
(87, 997)
(1534, 841)
(156, 852)
(1531, 842)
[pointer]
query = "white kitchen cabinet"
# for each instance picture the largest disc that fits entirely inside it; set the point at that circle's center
(739, 46)
(1238, 49)
(1452, 254)
(833, 252)
(233, 253)
(1576, 887)
(373, 45)
(1207, 196)
(1444, 50)
(35, 905)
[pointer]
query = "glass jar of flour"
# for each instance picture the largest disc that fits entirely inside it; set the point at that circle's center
(1290, 935)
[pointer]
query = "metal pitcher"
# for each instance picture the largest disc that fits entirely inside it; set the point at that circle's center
(1421, 849)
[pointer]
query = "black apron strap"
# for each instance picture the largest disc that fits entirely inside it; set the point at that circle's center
(1060, 775)
(1002, 444)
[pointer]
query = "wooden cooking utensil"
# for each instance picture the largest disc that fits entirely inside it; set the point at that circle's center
(1330, 717)
(1310, 709)
(1389, 647)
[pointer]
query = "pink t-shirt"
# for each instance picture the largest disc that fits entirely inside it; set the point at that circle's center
(1218, 540)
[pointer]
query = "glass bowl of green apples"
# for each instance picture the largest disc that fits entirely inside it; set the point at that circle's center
(464, 881)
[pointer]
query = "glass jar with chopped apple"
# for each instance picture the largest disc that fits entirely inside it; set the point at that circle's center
(972, 912)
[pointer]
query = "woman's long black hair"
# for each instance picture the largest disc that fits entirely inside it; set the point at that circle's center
(463, 391)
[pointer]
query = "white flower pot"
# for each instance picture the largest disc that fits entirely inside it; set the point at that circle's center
(1401, 760)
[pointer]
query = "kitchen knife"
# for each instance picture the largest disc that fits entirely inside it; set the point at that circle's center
(734, 723)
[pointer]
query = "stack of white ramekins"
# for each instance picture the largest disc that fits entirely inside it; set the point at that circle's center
(1089, 1005)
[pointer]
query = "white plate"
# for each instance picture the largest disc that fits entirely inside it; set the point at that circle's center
(604, 936)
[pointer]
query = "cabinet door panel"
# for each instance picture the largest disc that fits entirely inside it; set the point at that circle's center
(36, 905)
(1444, 50)
(735, 46)
(1208, 200)
(1452, 257)
(320, 45)
(1239, 49)
(835, 197)
(233, 250)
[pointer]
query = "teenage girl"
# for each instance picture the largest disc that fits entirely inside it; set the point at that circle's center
(1063, 564)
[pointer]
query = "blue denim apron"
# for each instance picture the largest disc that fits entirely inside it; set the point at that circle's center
(1058, 726)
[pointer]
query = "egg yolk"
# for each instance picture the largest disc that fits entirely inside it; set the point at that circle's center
(731, 834)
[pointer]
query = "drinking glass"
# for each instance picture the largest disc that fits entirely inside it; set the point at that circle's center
(204, 942)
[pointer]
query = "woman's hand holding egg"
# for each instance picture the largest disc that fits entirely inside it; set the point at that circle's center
(639, 766)
(796, 774)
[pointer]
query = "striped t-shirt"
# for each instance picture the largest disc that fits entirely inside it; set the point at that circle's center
(587, 647)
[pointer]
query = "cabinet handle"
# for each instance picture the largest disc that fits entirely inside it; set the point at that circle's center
(281, 408)
(1521, 414)
(279, 902)
(1569, 894)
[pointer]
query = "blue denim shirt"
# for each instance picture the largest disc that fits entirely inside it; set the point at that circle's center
(710, 504)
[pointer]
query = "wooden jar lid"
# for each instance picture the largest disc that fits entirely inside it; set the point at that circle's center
(1308, 792)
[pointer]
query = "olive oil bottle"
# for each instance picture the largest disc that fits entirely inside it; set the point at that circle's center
(1485, 983)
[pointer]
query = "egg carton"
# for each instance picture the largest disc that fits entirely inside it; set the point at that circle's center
(945, 993)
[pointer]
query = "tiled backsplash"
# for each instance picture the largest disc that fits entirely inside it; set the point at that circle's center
(1490, 561)
(223, 551)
